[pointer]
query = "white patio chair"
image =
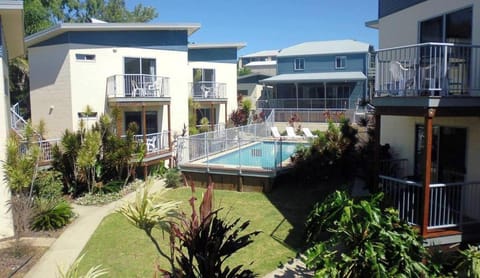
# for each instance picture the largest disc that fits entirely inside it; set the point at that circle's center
(152, 144)
(137, 91)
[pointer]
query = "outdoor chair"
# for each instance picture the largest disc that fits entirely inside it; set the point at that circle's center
(400, 78)
(152, 144)
(137, 90)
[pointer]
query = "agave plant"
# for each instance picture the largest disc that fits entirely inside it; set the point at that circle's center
(73, 270)
(146, 213)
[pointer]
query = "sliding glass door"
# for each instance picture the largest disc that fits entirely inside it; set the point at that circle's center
(448, 153)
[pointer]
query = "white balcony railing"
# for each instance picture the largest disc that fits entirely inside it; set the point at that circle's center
(428, 69)
(46, 149)
(451, 204)
(155, 142)
(208, 90)
(137, 86)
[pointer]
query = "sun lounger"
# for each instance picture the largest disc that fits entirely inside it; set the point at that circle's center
(308, 133)
(291, 133)
(275, 132)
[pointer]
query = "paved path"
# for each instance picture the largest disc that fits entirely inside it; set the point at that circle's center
(292, 269)
(66, 248)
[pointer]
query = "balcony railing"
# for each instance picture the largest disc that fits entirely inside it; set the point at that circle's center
(451, 204)
(46, 149)
(155, 142)
(137, 86)
(208, 90)
(428, 69)
(306, 103)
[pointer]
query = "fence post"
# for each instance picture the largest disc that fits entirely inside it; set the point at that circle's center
(206, 152)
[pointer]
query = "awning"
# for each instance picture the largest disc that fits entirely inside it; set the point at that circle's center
(316, 77)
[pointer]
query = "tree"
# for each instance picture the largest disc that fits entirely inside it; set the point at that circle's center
(21, 169)
(87, 157)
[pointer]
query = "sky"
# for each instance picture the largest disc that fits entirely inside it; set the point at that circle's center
(270, 24)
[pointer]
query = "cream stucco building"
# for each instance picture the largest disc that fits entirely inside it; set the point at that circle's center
(146, 71)
(427, 106)
(11, 32)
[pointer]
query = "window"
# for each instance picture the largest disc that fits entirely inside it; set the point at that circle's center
(139, 66)
(448, 153)
(204, 75)
(299, 64)
(455, 27)
(86, 115)
(136, 117)
(340, 62)
(85, 57)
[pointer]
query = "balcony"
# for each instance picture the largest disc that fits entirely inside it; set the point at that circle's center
(208, 91)
(155, 142)
(306, 103)
(451, 205)
(428, 70)
(138, 87)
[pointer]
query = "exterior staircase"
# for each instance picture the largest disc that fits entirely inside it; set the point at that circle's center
(18, 124)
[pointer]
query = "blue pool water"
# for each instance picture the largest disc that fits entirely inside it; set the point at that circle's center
(259, 155)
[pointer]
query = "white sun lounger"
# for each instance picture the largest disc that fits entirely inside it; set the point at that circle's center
(308, 133)
(275, 132)
(291, 133)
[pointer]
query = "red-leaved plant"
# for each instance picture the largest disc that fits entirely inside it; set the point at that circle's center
(202, 242)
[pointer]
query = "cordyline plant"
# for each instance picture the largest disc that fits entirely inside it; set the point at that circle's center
(205, 241)
(200, 243)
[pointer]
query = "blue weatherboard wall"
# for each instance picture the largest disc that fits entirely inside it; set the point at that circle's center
(219, 55)
(322, 63)
(163, 39)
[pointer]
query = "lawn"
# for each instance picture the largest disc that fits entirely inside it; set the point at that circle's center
(127, 252)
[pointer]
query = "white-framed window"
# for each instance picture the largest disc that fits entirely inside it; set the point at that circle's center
(85, 57)
(299, 64)
(340, 62)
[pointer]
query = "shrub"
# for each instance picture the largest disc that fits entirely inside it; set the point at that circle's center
(323, 215)
(49, 184)
(51, 214)
(173, 177)
(366, 241)
(110, 187)
(469, 263)
(159, 170)
(332, 154)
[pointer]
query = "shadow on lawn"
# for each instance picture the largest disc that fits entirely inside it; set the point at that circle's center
(294, 200)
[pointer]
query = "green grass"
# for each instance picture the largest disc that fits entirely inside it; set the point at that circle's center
(127, 252)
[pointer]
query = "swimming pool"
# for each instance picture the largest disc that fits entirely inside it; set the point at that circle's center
(263, 154)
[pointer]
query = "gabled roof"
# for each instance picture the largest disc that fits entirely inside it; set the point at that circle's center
(264, 53)
(93, 27)
(12, 20)
(325, 47)
(237, 45)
